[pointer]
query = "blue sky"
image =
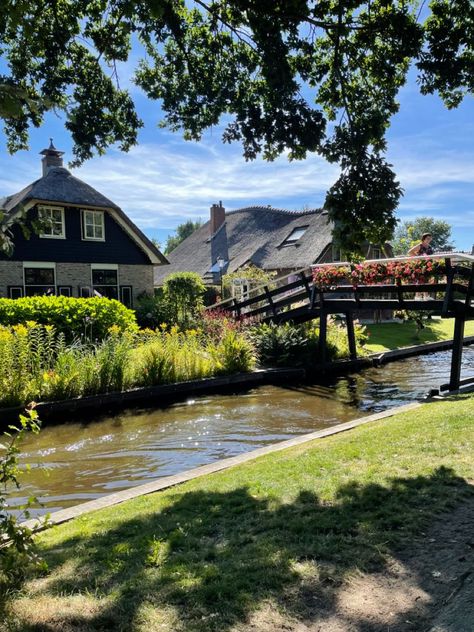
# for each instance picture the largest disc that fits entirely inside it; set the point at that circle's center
(166, 180)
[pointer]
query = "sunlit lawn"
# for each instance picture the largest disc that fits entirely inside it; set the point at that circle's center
(206, 555)
(386, 336)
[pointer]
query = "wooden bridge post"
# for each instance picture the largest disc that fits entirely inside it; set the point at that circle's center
(270, 300)
(304, 281)
(456, 357)
(449, 288)
(351, 336)
(323, 331)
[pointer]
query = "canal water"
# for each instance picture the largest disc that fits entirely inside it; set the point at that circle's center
(75, 462)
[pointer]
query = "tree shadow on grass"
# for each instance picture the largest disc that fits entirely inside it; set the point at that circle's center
(211, 559)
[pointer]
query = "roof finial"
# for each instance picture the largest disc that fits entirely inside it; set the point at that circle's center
(52, 157)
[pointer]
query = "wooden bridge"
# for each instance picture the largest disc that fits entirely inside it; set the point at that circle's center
(450, 296)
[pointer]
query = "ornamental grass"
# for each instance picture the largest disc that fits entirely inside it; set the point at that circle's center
(36, 364)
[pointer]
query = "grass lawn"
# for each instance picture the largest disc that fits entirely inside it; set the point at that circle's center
(280, 533)
(387, 336)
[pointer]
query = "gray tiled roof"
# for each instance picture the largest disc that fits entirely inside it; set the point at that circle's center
(254, 234)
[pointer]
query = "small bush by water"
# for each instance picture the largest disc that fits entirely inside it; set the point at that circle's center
(297, 345)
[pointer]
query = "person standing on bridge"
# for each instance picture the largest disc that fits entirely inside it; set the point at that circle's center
(423, 248)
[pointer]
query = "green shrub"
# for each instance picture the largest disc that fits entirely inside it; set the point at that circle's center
(152, 311)
(235, 353)
(297, 345)
(75, 317)
(281, 345)
(184, 292)
(20, 552)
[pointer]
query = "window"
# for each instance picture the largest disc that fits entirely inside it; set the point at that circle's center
(216, 268)
(126, 296)
(295, 235)
(93, 225)
(376, 253)
(105, 280)
(52, 222)
(39, 279)
(15, 291)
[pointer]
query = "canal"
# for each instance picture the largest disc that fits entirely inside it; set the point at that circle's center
(75, 462)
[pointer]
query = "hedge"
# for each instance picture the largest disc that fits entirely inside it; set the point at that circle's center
(89, 317)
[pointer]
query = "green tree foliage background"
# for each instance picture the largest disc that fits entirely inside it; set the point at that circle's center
(281, 76)
(409, 233)
(182, 232)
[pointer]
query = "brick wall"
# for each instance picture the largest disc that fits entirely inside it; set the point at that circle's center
(140, 277)
(11, 273)
(74, 274)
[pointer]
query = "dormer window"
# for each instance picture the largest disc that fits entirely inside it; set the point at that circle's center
(295, 235)
(93, 225)
(52, 222)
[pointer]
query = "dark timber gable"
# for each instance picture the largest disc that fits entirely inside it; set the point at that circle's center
(118, 246)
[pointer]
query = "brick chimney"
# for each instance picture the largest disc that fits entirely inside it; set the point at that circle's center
(217, 217)
(52, 157)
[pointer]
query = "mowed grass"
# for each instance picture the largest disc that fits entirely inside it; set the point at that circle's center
(387, 336)
(280, 532)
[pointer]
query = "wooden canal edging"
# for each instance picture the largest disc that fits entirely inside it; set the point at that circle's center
(302, 300)
(164, 394)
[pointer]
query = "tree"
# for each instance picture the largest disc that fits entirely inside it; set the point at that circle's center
(409, 233)
(182, 232)
(184, 293)
(286, 76)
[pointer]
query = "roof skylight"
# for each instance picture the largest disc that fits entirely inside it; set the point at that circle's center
(295, 235)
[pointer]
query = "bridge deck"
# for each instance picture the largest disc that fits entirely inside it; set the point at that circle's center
(300, 300)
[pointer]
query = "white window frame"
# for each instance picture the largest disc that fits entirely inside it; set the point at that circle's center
(106, 266)
(100, 214)
(20, 288)
(39, 264)
(41, 210)
(292, 238)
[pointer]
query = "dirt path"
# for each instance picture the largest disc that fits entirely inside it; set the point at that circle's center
(428, 588)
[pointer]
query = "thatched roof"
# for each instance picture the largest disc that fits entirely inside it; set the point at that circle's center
(59, 186)
(254, 235)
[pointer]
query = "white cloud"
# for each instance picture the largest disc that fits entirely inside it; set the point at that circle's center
(160, 184)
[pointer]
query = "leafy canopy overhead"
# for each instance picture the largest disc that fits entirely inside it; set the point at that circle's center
(293, 76)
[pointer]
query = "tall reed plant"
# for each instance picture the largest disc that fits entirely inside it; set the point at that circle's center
(36, 363)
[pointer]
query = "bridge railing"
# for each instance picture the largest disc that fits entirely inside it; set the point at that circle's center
(268, 300)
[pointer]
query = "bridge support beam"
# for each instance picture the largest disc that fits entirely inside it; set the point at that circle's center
(323, 330)
(456, 358)
(351, 335)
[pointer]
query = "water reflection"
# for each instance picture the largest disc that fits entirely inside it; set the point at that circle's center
(83, 461)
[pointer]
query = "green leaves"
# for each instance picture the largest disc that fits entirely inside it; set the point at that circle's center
(282, 77)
